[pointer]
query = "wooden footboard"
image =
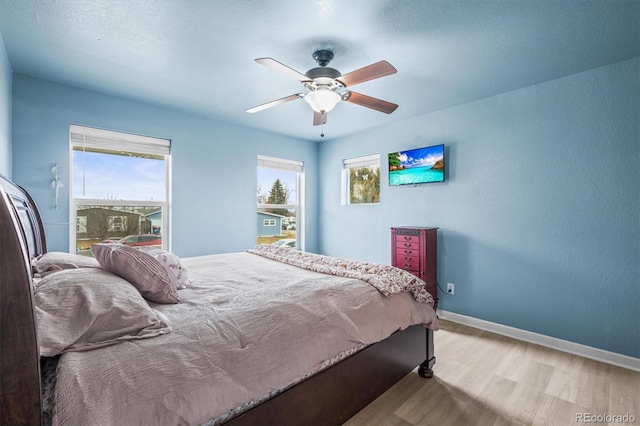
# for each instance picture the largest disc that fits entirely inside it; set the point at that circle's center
(333, 396)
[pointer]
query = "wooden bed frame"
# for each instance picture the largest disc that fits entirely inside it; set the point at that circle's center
(330, 397)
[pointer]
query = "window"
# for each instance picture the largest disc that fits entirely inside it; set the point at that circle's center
(81, 224)
(117, 223)
(361, 180)
(120, 187)
(280, 197)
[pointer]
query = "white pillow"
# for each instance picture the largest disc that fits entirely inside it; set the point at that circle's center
(53, 261)
(171, 263)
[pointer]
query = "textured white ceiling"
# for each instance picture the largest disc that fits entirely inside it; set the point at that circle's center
(198, 56)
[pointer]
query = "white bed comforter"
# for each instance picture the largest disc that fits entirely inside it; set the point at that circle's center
(247, 326)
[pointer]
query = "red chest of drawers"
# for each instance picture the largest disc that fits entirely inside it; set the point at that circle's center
(415, 249)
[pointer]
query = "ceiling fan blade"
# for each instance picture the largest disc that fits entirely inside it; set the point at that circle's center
(319, 118)
(274, 103)
(369, 102)
(370, 72)
(277, 66)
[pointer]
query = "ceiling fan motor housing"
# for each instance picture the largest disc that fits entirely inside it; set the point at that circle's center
(323, 72)
(323, 57)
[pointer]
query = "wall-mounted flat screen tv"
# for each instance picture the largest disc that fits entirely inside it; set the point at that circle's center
(415, 166)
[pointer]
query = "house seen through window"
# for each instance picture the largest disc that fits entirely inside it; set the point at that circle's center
(120, 188)
(279, 202)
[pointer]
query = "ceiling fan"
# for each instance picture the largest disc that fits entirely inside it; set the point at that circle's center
(325, 86)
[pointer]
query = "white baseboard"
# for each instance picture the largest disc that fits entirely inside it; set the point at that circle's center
(613, 358)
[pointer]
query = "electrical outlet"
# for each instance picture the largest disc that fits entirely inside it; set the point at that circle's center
(450, 288)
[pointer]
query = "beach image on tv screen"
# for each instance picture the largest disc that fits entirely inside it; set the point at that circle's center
(419, 165)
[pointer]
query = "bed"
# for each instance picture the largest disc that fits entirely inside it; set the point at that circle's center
(309, 345)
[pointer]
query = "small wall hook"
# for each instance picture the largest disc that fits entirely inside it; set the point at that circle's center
(56, 183)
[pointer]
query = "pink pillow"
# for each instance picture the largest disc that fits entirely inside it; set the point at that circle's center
(88, 308)
(140, 269)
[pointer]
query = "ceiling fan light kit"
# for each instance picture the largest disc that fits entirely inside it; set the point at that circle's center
(322, 100)
(325, 86)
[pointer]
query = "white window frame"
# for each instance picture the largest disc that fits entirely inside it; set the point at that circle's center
(89, 137)
(354, 163)
(269, 222)
(293, 166)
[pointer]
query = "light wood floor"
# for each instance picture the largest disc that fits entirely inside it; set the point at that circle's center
(482, 378)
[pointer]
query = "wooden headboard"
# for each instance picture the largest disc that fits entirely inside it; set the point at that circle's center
(21, 239)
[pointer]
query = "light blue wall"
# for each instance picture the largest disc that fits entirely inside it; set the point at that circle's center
(213, 163)
(539, 218)
(6, 79)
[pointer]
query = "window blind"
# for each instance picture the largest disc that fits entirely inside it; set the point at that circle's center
(279, 163)
(364, 161)
(88, 137)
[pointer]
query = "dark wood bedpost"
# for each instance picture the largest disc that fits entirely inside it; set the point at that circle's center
(20, 394)
(426, 368)
(40, 243)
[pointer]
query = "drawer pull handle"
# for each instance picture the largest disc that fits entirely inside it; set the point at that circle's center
(407, 238)
(407, 265)
(407, 252)
(407, 245)
(408, 259)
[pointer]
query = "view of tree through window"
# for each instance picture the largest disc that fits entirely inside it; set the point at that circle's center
(278, 202)
(362, 180)
(278, 194)
(364, 185)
